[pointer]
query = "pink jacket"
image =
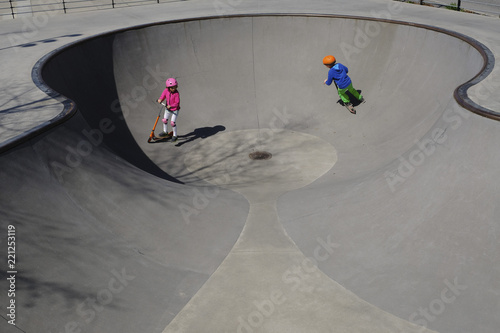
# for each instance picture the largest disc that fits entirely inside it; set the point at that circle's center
(173, 99)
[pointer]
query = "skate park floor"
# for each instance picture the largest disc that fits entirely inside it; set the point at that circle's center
(383, 221)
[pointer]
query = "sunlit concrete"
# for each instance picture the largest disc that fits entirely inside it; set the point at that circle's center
(376, 222)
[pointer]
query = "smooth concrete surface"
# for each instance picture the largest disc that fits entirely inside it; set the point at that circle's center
(383, 221)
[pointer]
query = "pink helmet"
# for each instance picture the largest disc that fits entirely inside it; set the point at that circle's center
(171, 82)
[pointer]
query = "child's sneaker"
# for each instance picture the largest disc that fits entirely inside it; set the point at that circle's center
(351, 108)
(174, 138)
(163, 135)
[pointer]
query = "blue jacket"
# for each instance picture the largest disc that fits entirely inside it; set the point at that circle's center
(339, 73)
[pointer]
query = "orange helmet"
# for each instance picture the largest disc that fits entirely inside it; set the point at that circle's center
(329, 60)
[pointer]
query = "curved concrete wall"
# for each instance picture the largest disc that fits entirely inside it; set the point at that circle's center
(388, 204)
(264, 72)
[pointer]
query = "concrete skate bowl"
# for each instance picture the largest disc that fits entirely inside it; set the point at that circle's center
(389, 187)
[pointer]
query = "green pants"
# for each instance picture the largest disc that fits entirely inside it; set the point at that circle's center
(343, 94)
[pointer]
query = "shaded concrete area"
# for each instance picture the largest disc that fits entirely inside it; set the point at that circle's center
(375, 222)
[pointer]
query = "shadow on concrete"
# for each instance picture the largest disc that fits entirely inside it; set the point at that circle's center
(199, 133)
